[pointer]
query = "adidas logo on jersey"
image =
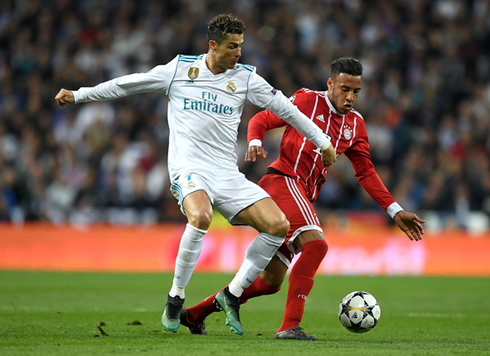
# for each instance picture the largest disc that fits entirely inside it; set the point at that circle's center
(189, 82)
(320, 118)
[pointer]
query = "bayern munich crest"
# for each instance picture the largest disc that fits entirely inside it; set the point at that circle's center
(347, 132)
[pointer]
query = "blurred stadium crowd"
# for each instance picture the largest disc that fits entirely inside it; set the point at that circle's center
(425, 100)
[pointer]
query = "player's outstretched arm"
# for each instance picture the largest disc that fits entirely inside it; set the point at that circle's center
(64, 97)
(410, 224)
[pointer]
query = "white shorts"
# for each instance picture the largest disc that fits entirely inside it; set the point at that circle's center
(229, 195)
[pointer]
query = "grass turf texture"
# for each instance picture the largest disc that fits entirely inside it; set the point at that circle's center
(45, 313)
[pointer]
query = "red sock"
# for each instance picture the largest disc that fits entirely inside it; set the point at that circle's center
(200, 311)
(301, 282)
(256, 289)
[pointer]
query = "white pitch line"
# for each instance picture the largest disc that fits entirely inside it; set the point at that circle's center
(435, 315)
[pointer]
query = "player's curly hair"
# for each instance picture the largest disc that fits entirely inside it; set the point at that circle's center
(347, 65)
(220, 26)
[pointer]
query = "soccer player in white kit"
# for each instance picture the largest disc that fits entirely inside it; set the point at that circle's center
(207, 94)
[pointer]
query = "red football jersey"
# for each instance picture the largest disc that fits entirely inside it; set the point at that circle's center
(300, 159)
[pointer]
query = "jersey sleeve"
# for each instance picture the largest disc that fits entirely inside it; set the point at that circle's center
(365, 172)
(266, 120)
(157, 79)
(262, 122)
(260, 92)
(264, 95)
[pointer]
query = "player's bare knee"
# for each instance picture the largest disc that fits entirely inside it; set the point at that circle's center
(285, 228)
(200, 219)
(279, 226)
(282, 227)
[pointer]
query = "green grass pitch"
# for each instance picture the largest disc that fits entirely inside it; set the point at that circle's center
(47, 313)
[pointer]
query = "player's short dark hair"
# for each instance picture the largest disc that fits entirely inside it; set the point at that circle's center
(220, 26)
(347, 65)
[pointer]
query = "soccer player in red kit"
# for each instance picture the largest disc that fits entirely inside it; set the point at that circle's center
(294, 181)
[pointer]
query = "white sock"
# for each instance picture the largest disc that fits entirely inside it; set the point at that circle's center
(235, 287)
(189, 251)
(176, 290)
(258, 255)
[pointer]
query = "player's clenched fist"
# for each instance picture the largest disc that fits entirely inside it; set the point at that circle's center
(64, 97)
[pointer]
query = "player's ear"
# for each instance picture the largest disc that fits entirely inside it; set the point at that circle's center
(213, 45)
(329, 83)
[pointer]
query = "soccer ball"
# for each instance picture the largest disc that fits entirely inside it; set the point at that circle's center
(359, 312)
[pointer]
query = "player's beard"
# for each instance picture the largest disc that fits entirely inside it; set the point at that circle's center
(333, 100)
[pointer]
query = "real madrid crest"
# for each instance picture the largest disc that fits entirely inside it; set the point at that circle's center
(193, 73)
(231, 87)
(347, 132)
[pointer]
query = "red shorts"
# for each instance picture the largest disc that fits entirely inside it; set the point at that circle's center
(290, 195)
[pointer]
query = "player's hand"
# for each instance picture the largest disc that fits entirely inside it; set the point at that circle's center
(64, 97)
(410, 224)
(255, 152)
(329, 156)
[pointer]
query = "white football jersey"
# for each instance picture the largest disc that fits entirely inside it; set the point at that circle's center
(204, 110)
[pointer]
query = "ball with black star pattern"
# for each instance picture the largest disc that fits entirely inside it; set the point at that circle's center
(359, 312)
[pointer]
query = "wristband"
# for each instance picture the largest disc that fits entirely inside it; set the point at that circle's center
(394, 209)
(326, 145)
(255, 142)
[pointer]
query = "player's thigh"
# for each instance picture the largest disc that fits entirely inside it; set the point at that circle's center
(291, 197)
(234, 195)
(195, 198)
(265, 216)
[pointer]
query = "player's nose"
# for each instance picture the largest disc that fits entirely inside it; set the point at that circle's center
(350, 96)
